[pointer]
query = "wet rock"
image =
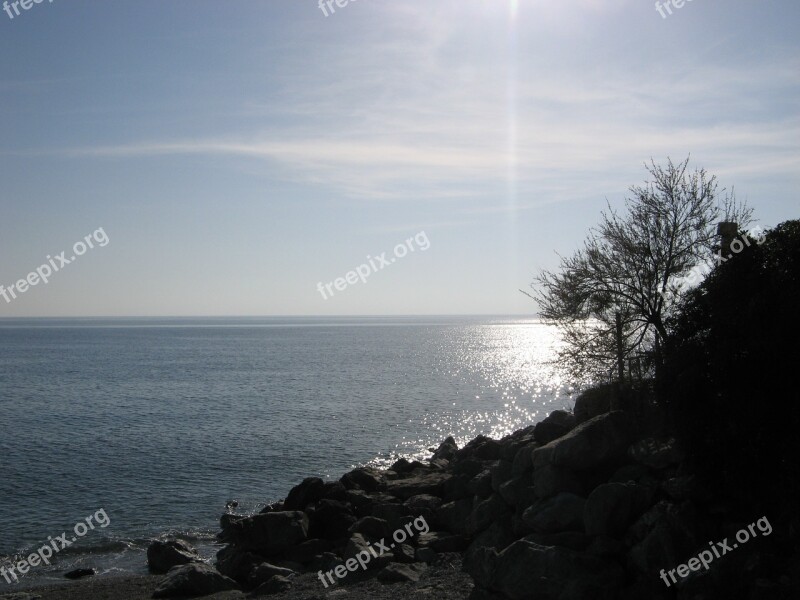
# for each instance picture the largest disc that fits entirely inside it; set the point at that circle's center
(270, 533)
(79, 573)
(446, 450)
(366, 478)
(307, 492)
(162, 556)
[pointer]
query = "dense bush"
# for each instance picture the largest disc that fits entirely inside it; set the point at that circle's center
(730, 375)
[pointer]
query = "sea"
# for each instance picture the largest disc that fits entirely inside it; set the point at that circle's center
(163, 425)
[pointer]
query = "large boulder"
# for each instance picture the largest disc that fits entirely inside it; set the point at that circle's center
(270, 533)
(599, 440)
(549, 480)
(162, 556)
(562, 512)
(526, 571)
(552, 427)
(426, 483)
(446, 450)
(612, 507)
(195, 579)
(368, 479)
(486, 512)
(455, 516)
(330, 520)
(310, 490)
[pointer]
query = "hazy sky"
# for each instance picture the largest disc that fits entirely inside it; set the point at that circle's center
(237, 153)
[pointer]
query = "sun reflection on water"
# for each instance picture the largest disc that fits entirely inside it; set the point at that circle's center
(502, 380)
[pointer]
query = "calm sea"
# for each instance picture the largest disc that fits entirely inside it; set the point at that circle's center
(160, 422)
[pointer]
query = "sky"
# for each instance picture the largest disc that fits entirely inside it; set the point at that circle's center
(237, 157)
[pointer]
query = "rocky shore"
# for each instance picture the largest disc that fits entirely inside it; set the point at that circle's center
(587, 505)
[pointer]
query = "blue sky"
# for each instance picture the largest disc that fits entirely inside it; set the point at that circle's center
(237, 153)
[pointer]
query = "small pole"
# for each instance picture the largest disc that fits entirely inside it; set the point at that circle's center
(620, 352)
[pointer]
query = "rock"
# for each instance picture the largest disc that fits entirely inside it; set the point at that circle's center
(79, 573)
(396, 572)
(522, 460)
(498, 535)
(307, 492)
(194, 579)
(501, 472)
(446, 450)
(366, 478)
(403, 553)
(442, 542)
(334, 490)
(612, 507)
(574, 540)
(606, 547)
(327, 561)
(270, 533)
(330, 520)
(455, 516)
(469, 467)
(655, 453)
(562, 512)
(276, 585)
(517, 490)
(358, 544)
(372, 528)
(236, 563)
(308, 550)
(554, 573)
(481, 484)
(664, 535)
(162, 556)
(484, 513)
(426, 555)
(423, 501)
(427, 483)
(552, 427)
(264, 572)
(628, 473)
(482, 447)
(549, 480)
(599, 440)
(393, 513)
(402, 466)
